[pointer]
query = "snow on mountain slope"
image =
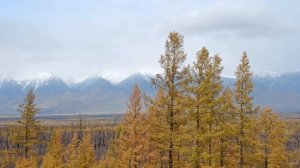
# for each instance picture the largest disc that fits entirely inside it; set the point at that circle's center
(98, 95)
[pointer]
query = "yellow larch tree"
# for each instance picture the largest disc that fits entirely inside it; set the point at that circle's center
(132, 138)
(54, 156)
(86, 152)
(203, 105)
(71, 153)
(272, 141)
(194, 103)
(246, 119)
(171, 82)
(227, 128)
(25, 132)
(157, 145)
(212, 87)
(112, 156)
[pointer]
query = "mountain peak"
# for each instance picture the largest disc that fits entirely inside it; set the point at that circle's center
(40, 82)
(267, 74)
(138, 76)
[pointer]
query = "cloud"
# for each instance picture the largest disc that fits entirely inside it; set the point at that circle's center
(74, 39)
(243, 19)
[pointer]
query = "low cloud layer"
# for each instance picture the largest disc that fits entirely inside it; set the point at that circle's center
(76, 39)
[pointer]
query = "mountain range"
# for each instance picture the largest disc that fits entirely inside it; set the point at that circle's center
(97, 95)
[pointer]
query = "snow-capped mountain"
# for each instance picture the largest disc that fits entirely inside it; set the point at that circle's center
(267, 74)
(98, 95)
(143, 80)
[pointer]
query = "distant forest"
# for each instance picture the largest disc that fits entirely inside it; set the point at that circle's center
(192, 122)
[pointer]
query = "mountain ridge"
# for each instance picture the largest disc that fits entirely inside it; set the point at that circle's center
(97, 95)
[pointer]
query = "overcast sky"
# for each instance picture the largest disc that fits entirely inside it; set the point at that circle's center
(74, 39)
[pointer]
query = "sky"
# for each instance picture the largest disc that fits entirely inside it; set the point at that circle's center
(75, 39)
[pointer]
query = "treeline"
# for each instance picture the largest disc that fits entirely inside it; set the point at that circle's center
(28, 144)
(193, 121)
(101, 137)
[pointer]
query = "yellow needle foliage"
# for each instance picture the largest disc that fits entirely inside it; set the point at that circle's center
(86, 152)
(273, 137)
(156, 128)
(54, 156)
(132, 138)
(246, 119)
(71, 153)
(29, 162)
(26, 130)
(171, 81)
